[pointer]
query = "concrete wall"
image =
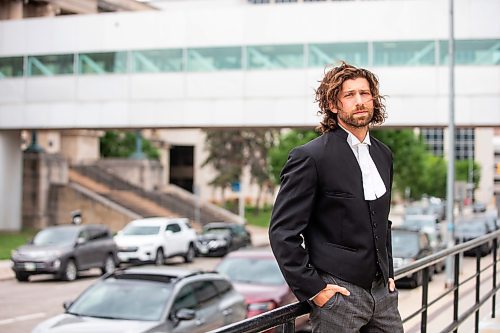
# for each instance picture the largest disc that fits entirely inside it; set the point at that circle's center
(94, 209)
(11, 168)
(147, 174)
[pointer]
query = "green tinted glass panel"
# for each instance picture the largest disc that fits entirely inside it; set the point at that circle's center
(11, 67)
(102, 63)
(212, 59)
(472, 52)
(321, 55)
(49, 65)
(275, 56)
(414, 53)
(152, 61)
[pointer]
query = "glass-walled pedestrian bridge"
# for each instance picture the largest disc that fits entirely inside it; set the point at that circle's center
(237, 66)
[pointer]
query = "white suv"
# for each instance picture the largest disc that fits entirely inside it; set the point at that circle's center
(155, 239)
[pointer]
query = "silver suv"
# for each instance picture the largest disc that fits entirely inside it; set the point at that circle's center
(151, 299)
(65, 250)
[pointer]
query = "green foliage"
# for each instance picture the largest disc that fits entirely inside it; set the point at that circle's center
(11, 240)
(259, 217)
(417, 169)
(278, 155)
(122, 144)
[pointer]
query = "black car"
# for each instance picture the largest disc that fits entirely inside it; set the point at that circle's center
(151, 299)
(65, 250)
(470, 229)
(219, 238)
(409, 245)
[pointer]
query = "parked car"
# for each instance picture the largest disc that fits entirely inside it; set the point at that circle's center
(156, 238)
(470, 229)
(219, 238)
(151, 299)
(409, 245)
(64, 250)
(429, 225)
(255, 274)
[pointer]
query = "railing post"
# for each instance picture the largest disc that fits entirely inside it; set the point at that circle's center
(425, 299)
(289, 326)
(456, 285)
(478, 282)
(493, 299)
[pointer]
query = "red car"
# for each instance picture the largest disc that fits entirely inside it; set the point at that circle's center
(256, 275)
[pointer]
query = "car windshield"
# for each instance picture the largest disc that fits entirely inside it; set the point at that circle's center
(128, 299)
(252, 270)
(141, 230)
(56, 236)
(216, 231)
(404, 244)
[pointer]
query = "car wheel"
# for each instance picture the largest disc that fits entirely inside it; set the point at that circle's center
(22, 277)
(109, 265)
(70, 271)
(190, 254)
(160, 258)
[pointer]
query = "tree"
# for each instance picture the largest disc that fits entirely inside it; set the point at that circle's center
(122, 144)
(278, 155)
(229, 151)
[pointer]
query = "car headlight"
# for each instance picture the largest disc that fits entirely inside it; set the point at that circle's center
(261, 306)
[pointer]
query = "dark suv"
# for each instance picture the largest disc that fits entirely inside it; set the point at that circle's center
(64, 250)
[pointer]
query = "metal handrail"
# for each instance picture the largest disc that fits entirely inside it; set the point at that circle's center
(285, 315)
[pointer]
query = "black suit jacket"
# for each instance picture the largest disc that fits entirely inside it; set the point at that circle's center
(321, 202)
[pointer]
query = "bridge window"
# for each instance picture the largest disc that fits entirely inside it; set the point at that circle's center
(275, 56)
(212, 59)
(49, 65)
(102, 63)
(153, 61)
(321, 55)
(11, 67)
(472, 52)
(414, 53)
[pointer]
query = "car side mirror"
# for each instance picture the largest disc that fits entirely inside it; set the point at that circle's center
(67, 304)
(80, 241)
(185, 314)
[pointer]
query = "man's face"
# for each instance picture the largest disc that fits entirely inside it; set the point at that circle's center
(355, 107)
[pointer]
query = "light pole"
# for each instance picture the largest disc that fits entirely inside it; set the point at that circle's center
(450, 182)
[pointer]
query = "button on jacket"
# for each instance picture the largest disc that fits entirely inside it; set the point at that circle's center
(321, 202)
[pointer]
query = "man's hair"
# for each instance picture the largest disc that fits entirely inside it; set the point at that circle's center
(331, 86)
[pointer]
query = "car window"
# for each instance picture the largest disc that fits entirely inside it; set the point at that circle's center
(84, 234)
(185, 299)
(223, 286)
(128, 299)
(174, 227)
(58, 236)
(137, 230)
(205, 292)
(98, 233)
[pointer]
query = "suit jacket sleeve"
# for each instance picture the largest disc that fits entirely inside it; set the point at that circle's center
(290, 217)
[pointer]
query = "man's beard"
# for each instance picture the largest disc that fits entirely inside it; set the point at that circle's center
(356, 122)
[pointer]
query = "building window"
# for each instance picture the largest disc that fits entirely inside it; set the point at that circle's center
(324, 54)
(434, 140)
(214, 58)
(153, 61)
(11, 67)
(275, 56)
(102, 63)
(472, 52)
(464, 143)
(49, 65)
(414, 53)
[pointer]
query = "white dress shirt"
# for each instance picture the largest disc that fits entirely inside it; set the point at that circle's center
(373, 185)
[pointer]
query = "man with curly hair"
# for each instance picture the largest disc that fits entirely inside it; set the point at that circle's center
(329, 229)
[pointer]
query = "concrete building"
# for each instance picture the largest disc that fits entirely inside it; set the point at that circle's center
(205, 64)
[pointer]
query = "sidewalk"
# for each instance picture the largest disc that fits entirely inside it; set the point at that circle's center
(5, 270)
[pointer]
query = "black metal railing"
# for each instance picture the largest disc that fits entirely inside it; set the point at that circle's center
(285, 316)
